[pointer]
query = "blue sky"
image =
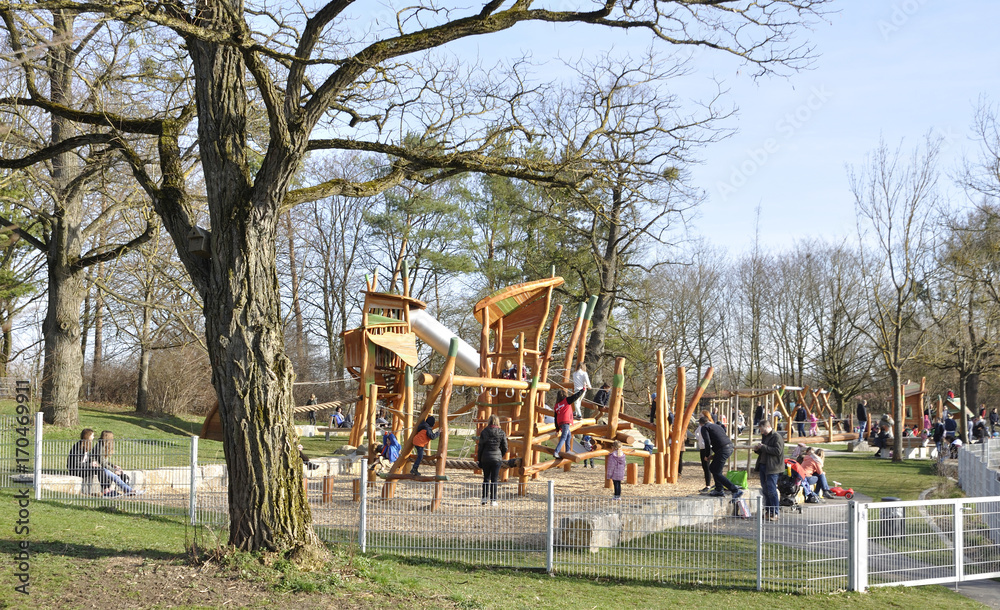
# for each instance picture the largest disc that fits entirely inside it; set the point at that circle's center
(892, 69)
(895, 69)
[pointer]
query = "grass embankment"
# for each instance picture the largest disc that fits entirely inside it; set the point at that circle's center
(86, 558)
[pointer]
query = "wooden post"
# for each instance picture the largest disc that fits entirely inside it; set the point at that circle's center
(647, 469)
(662, 423)
(631, 474)
(581, 311)
(328, 489)
(680, 424)
(582, 351)
(484, 345)
(370, 416)
(616, 398)
(443, 439)
(528, 456)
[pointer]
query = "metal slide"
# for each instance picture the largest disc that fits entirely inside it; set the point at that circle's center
(437, 335)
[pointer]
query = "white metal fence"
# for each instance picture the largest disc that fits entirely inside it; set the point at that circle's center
(977, 468)
(688, 541)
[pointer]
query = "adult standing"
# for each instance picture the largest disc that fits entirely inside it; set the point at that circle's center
(770, 463)
(581, 381)
(862, 413)
(312, 414)
(719, 448)
(950, 428)
(492, 447)
(938, 436)
(800, 419)
(758, 415)
(994, 420)
(703, 457)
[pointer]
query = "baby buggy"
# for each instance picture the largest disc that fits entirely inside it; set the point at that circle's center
(792, 487)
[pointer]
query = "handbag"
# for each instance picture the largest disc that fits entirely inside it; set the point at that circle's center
(738, 477)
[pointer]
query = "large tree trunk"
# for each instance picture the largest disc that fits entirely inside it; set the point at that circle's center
(142, 391)
(898, 413)
(62, 371)
(609, 264)
(61, 375)
(243, 325)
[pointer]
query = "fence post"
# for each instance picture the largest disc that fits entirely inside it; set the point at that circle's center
(852, 546)
(760, 543)
(959, 540)
(193, 494)
(36, 475)
(363, 517)
(550, 519)
(860, 546)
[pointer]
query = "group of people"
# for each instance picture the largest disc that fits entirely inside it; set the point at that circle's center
(88, 459)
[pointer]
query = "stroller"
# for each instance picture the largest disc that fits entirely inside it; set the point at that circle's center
(791, 486)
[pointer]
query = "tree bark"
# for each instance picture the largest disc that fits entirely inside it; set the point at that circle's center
(61, 378)
(243, 325)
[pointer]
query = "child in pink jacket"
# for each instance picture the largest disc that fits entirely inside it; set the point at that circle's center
(614, 468)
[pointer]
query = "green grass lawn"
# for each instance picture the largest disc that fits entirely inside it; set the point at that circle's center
(881, 478)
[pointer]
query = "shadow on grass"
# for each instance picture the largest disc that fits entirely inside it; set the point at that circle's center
(168, 424)
(89, 551)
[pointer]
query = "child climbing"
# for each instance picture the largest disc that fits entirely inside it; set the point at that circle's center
(587, 442)
(425, 434)
(564, 417)
(614, 468)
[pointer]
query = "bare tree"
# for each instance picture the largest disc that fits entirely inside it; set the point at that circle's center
(297, 72)
(622, 118)
(895, 196)
(843, 357)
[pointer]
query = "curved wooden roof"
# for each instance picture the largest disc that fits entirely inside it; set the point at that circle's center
(511, 298)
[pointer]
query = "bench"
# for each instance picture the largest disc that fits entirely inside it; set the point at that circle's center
(915, 448)
(327, 430)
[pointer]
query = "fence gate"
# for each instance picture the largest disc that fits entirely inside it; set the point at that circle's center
(807, 551)
(931, 542)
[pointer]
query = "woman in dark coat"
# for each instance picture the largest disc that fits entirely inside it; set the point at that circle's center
(492, 447)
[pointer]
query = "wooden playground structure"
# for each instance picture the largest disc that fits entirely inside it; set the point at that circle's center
(381, 354)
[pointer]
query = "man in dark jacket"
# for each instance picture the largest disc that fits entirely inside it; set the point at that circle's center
(770, 463)
(758, 414)
(718, 448)
(800, 419)
(862, 414)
